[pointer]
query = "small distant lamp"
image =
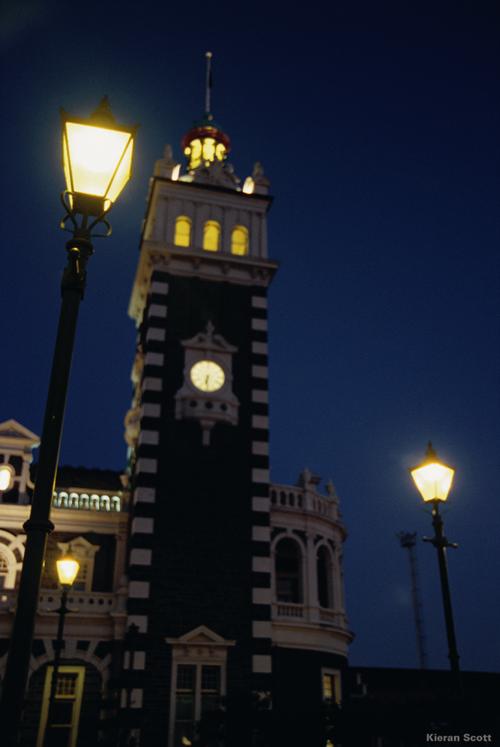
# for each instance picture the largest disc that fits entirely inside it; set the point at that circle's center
(67, 570)
(434, 479)
(6, 473)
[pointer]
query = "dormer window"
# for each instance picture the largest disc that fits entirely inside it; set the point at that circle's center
(211, 236)
(239, 241)
(182, 235)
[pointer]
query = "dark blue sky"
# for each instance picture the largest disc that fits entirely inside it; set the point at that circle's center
(380, 137)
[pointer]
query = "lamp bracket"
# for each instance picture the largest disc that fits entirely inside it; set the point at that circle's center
(75, 206)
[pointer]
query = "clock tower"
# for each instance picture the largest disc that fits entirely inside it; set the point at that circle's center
(199, 569)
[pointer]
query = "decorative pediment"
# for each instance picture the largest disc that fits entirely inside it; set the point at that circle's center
(13, 433)
(200, 636)
(202, 643)
(208, 340)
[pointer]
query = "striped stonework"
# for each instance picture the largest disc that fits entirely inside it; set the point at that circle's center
(142, 522)
(261, 553)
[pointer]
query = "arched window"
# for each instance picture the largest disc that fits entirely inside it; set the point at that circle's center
(288, 571)
(324, 577)
(239, 241)
(211, 236)
(182, 236)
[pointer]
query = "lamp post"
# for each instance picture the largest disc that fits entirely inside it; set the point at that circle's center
(433, 479)
(67, 571)
(97, 161)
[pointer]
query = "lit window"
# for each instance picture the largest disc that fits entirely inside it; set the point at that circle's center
(288, 571)
(211, 236)
(65, 715)
(197, 692)
(182, 235)
(239, 241)
(324, 577)
(331, 685)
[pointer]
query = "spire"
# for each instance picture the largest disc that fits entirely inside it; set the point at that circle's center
(205, 143)
(208, 86)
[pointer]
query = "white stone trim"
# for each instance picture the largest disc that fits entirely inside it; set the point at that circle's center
(139, 556)
(260, 421)
(144, 495)
(149, 437)
(261, 504)
(259, 325)
(138, 589)
(259, 448)
(140, 620)
(140, 525)
(259, 302)
(154, 359)
(158, 287)
(149, 466)
(261, 534)
(260, 372)
(152, 384)
(261, 565)
(260, 395)
(156, 334)
(262, 629)
(260, 475)
(261, 596)
(261, 664)
(259, 348)
(157, 310)
(150, 410)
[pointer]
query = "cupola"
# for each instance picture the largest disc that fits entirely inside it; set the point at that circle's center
(205, 143)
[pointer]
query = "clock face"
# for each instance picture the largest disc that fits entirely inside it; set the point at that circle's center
(207, 376)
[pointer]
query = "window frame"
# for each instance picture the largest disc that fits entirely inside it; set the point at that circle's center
(337, 685)
(244, 230)
(186, 220)
(208, 224)
(77, 705)
(197, 690)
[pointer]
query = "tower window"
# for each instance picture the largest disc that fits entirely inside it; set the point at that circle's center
(239, 241)
(182, 236)
(211, 236)
(324, 577)
(198, 691)
(288, 571)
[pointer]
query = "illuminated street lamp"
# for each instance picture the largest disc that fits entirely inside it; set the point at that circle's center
(434, 479)
(97, 161)
(67, 571)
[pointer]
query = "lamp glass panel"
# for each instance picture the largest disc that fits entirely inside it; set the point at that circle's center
(433, 481)
(123, 173)
(67, 570)
(94, 153)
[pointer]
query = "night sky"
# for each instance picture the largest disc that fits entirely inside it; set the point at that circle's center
(380, 138)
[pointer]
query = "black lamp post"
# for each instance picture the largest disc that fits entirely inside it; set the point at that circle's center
(97, 159)
(67, 571)
(433, 479)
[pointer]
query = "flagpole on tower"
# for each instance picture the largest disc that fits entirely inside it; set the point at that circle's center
(208, 85)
